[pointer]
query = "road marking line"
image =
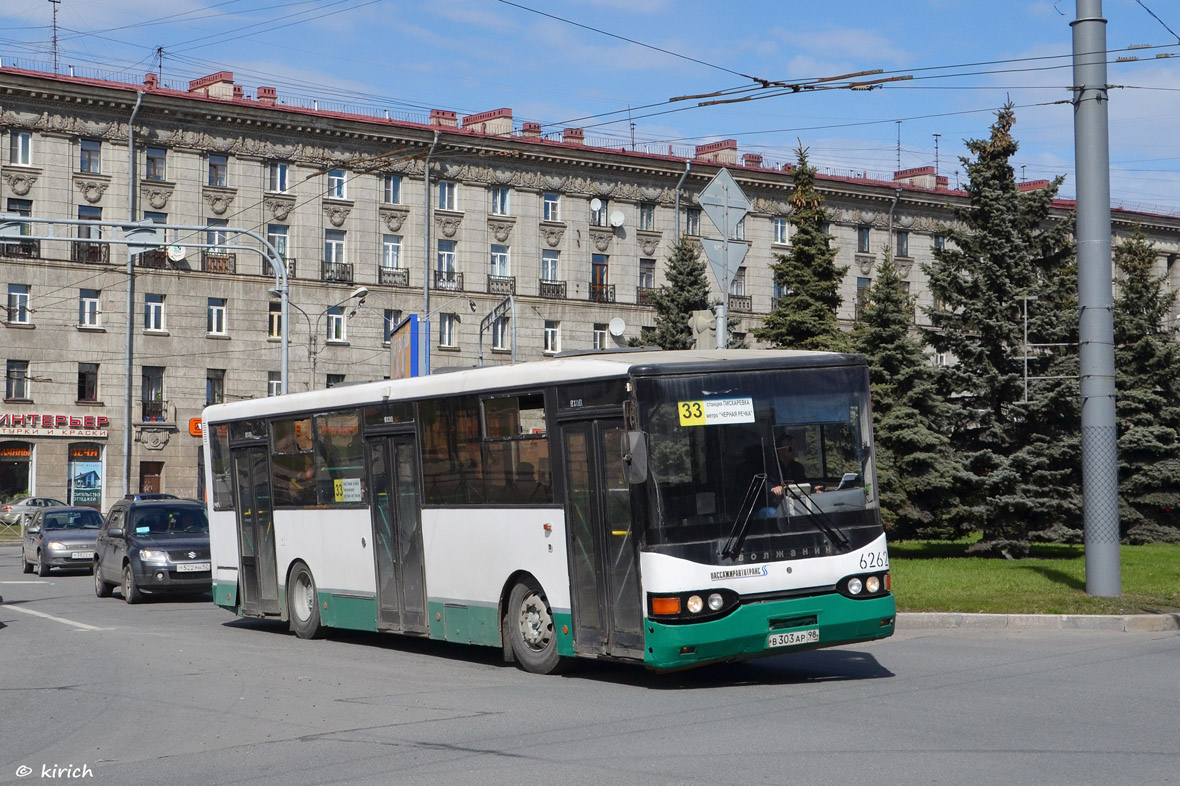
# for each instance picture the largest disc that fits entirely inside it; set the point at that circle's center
(27, 581)
(43, 615)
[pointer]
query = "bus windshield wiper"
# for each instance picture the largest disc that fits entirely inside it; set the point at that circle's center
(817, 516)
(741, 524)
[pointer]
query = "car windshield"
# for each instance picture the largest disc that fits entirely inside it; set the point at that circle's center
(72, 519)
(166, 521)
(781, 458)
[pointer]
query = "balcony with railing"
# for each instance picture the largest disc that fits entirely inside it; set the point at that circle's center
(393, 276)
(268, 271)
(154, 411)
(602, 293)
(90, 253)
(448, 281)
(336, 271)
(156, 259)
(643, 295)
(213, 261)
(741, 303)
(501, 285)
(25, 249)
(553, 289)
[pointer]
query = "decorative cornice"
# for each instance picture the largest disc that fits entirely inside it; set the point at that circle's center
(21, 181)
(218, 201)
(601, 238)
(448, 223)
(278, 207)
(156, 195)
(501, 228)
(649, 242)
(92, 188)
(393, 218)
(553, 234)
(336, 213)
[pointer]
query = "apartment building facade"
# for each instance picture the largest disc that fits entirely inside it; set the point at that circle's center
(577, 233)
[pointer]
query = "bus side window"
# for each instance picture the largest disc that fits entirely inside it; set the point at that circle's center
(292, 466)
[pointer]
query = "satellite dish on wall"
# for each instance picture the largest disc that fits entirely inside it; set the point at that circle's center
(616, 327)
(177, 253)
(596, 204)
(617, 218)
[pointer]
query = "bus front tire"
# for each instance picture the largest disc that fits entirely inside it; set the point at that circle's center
(303, 605)
(530, 629)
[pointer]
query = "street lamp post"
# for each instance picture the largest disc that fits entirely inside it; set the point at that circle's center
(313, 349)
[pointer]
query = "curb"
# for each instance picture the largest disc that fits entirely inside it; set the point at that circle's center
(1128, 623)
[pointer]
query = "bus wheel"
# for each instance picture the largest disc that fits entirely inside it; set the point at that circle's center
(303, 605)
(529, 624)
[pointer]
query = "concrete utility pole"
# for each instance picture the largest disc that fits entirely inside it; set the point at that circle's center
(1100, 478)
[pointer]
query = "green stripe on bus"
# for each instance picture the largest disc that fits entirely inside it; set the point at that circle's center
(745, 633)
(225, 594)
(345, 611)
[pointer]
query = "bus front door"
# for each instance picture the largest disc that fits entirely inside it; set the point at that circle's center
(258, 581)
(397, 533)
(604, 576)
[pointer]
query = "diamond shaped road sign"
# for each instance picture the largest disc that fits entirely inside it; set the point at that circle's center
(724, 203)
(725, 258)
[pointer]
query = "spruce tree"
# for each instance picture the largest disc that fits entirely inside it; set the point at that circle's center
(917, 471)
(1148, 401)
(1006, 248)
(806, 279)
(687, 290)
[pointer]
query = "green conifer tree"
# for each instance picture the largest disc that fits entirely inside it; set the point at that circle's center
(687, 290)
(807, 279)
(1148, 402)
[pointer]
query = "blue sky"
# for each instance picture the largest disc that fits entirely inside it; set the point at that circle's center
(570, 64)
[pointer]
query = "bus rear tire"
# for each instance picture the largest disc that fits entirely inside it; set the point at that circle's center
(530, 629)
(303, 604)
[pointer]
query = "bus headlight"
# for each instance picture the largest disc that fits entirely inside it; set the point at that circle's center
(716, 602)
(695, 604)
(855, 586)
(873, 585)
(866, 585)
(692, 606)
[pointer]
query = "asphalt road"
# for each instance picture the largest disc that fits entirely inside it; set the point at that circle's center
(180, 692)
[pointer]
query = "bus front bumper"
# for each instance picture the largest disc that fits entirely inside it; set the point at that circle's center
(768, 628)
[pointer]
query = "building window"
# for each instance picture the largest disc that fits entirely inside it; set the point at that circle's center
(87, 382)
(89, 160)
(334, 380)
(692, 221)
(738, 232)
(337, 325)
(903, 243)
(600, 335)
(89, 213)
(779, 226)
(391, 251)
(278, 176)
(500, 261)
(862, 240)
(274, 321)
(156, 164)
(276, 235)
(215, 317)
(391, 190)
(153, 312)
(446, 257)
(274, 383)
(600, 278)
(214, 386)
(863, 285)
(738, 285)
(647, 217)
(601, 216)
(501, 338)
(551, 206)
(647, 274)
(447, 330)
(334, 246)
(16, 379)
(447, 195)
(216, 236)
(389, 322)
(218, 170)
(549, 259)
(940, 242)
(552, 337)
(18, 304)
(501, 201)
(89, 308)
(20, 148)
(336, 184)
(151, 393)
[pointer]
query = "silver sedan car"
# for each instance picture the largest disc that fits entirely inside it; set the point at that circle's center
(59, 537)
(16, 511)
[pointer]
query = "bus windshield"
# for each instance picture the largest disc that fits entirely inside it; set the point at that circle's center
(745, 463)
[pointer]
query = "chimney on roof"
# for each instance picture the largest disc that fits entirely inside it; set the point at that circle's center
(573, 136)
(219, 85)
(752, 159)
(268, 95)
(443, 117)
(238, 94)
(497, 122)
(922, 177)
(531, 130)
(723, 152)
(151, 81)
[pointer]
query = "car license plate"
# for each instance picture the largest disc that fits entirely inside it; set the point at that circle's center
(192, 567)
(794, 637)
(82, 555)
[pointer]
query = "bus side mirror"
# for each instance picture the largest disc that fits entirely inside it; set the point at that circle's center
(635, 456)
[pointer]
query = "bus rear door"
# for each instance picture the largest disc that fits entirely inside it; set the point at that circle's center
(397, 533)
(258, 572)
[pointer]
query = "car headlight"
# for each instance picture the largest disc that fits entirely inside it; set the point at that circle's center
(56, 545)
(154, 556)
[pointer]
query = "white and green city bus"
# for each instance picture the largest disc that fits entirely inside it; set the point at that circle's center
(624, 505)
